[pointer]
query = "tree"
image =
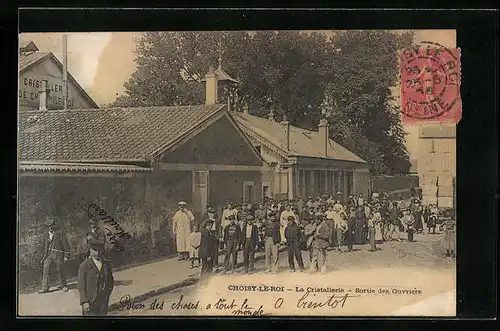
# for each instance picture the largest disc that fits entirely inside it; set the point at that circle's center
(298, 75)
(363, 113)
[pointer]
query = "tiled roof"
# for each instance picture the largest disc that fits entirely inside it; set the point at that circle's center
(105, 135)
(26, 61)
(302, 142)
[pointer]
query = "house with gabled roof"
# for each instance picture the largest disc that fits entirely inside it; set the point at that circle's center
(36, 67)
(135, 163)
(304, 162)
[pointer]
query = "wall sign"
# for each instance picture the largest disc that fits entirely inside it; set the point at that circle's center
(29, 87)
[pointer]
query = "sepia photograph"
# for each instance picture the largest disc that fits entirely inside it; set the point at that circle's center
(237, 173)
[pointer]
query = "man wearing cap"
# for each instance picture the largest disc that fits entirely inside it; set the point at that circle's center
(249, 242)
(95, 281)
(292, 235)
(285, 214)
(232, 239)
(56, 251)
(182, 223)
(321, 241)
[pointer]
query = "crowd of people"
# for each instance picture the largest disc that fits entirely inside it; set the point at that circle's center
(327, 222)
(316, 225)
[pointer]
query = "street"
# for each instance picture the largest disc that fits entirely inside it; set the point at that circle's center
(406, 272)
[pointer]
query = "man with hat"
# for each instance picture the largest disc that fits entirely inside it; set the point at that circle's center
(250, 237)
(95, 281)
(182, 223)
(95, 233)
(320, 243)
(232, 239)
(56, 251)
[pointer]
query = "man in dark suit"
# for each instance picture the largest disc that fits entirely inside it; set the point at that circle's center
(95, 281)
(55, 250)
(250, 237)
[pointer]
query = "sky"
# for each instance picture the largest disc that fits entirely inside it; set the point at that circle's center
(103, 61)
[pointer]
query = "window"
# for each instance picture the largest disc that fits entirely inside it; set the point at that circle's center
(432, 147)
(350, 182)
(248, 192)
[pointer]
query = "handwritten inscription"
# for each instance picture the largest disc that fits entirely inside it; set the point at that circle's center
(332, 301)
(309, 298)
(114, 232)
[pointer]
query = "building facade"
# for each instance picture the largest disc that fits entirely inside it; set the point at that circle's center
(437, 163)
(34, 68)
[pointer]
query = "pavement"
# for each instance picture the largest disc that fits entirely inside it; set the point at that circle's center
(394, 266)
(140, 283)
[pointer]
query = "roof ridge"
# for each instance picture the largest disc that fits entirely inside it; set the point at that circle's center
(113, 108)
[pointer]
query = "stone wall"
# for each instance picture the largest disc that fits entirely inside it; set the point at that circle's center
(144, 212)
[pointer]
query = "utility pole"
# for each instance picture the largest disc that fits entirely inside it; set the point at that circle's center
(65, 70)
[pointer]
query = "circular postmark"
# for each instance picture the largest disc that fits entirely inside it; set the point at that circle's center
(430, 81)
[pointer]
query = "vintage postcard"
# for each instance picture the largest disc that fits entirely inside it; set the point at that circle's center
(238, 173)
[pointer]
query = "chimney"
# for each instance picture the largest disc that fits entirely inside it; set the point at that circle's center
(323, 133)
(65, 70)
(211, 87)
(42, 95)
(286, 132)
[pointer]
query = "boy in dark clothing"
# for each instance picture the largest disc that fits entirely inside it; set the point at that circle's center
(208, 243)
(292, 235)
(232, 239)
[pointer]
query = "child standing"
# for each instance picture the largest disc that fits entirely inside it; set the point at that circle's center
(194, 246)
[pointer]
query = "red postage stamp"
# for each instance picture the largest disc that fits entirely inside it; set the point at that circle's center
(430, 84)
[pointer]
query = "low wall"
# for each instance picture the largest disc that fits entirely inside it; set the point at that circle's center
(394, 185)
